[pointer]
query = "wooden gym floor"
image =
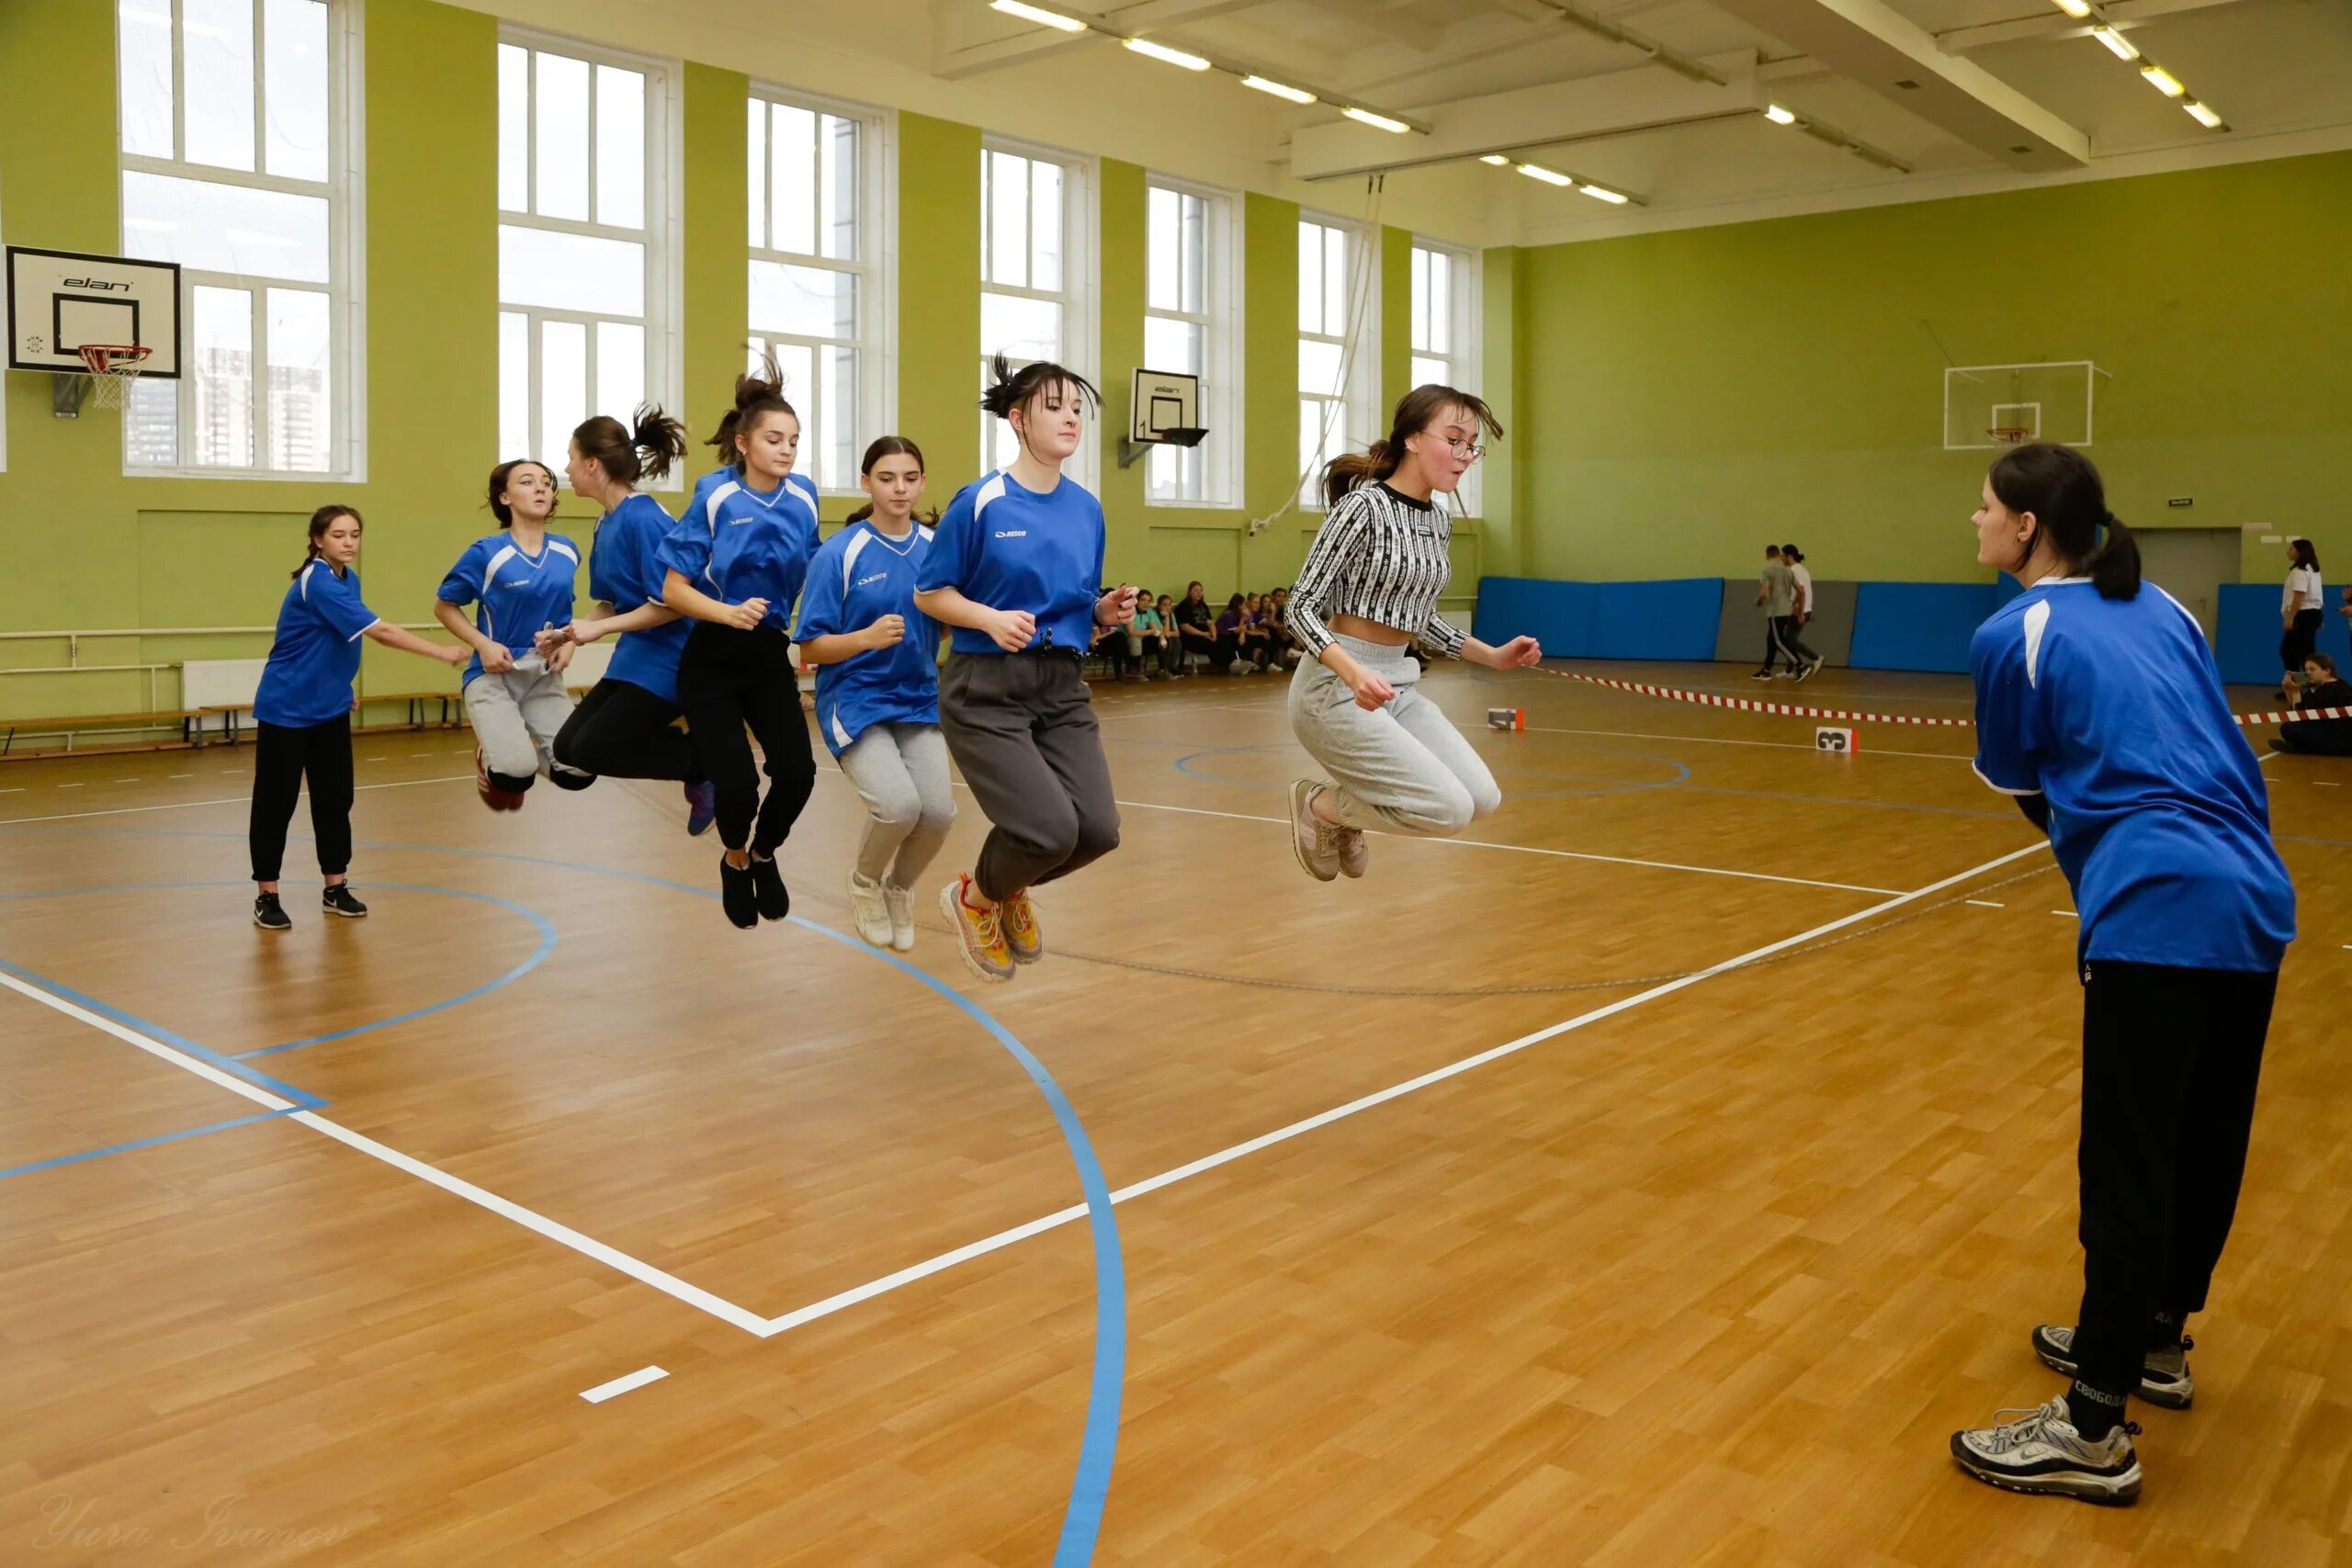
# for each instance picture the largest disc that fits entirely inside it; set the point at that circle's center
(1756, 1169)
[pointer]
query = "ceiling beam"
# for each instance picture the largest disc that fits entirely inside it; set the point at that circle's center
(1620, 102)
(970, 40)
(2124, 14)
(1878, 48)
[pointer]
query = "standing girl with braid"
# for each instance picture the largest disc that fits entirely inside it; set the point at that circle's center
(735, 565)
(624, 727)
(877, 657)
(1015, 569)
(303, 715)
(1368, 591)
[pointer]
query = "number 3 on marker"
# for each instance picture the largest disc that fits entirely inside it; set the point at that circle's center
(1825, 738)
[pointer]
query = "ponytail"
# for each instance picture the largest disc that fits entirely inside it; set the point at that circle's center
(642, 449)
(2062, 490)
(757, 392)
(320, 521)
(1416, 411)
(2115, 568)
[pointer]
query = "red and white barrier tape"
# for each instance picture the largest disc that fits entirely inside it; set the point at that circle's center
(1793, 710)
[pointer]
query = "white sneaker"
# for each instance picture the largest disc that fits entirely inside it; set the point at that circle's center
(1311, 838)
(2043, 1452)
(901, 902)
(865, 903)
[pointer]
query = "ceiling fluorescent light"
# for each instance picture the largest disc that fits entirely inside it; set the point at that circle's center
(2117, 44)
(1549, 176)
(1603, 193)
(1496, 159)
(2163, 81)
(1778, 115)
(2075, 9)
(2204, 116)
(1161, 51)
(1038, 14)
(1279, 89)
(1377, 121)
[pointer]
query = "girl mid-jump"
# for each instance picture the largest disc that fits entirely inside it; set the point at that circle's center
(1368, 591)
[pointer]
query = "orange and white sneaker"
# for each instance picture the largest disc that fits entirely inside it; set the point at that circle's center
(980, 933)
(1022, 937)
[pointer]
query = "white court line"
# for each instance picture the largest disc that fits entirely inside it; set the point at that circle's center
(223, 800)
(1489, 844)
(1987, 904)
(1395, 1091)
(2066, 914)
(638, 1379)
(588, 1246)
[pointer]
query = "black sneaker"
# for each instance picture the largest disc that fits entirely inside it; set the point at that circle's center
(2164, 1374)
(269, 914)
(1762, 675)
(337, 900)
(736, 893)
(769, 894)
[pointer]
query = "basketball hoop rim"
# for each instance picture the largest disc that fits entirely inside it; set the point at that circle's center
(114, 359)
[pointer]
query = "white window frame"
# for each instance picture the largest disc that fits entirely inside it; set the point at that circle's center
(1359, 397)
(1221, 329)
(876, 268)
(346, 288)
(664, 222)
(1080, 331)
(1464, 362)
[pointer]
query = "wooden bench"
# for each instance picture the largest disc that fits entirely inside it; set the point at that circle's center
(186, 719)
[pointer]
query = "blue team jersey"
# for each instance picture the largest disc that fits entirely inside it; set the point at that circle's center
(742, 544)
(2113, 710)
(315, 656)
(625, 570)
(858, 577)
(520, 594)
(799, 482)
(1014, 550)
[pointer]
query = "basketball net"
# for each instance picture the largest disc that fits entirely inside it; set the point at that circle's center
(115, 367)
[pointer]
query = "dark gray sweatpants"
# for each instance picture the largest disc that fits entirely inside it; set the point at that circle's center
(1021, 729)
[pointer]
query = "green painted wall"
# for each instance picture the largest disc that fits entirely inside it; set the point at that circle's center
(1683, 397)
(939, 297)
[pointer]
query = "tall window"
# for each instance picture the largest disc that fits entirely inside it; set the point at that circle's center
(817, 239)
(582, 258)
(1446, 332)
(1337, 382)
(235, 164)
(1034, 280)
(1188, 325)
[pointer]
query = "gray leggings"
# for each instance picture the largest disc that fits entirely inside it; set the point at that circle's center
(516, 717)
(901, 770)
(1404, 769)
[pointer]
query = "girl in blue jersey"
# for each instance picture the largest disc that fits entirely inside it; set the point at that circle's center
(523, 578)
(1015, 569)
(625, 726)
(2099, 708)
(877, 688)
(765, 379)
(302, 714)
(735, 565)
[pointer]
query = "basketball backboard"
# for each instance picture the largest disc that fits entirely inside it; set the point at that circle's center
(1167, 407)
(1987, 406)
(59, 301)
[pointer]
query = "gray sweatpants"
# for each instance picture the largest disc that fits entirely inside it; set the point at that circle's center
(901, 771)
(1404, 769)
(1022, 727)
(516, 717)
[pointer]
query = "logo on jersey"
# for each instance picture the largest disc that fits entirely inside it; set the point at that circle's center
(1013, 533)
(870, 581)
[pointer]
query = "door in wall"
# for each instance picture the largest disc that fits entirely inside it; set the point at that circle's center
(2191, 564)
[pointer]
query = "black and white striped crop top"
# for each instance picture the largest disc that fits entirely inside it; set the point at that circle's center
(1382, 556)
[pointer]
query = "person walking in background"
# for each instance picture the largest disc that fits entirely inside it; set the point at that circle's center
(2299, 614)
(1776, 595)
(1792, 634)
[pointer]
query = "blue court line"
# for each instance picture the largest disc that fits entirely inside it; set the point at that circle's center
(546, 946)
(7, 1171)
(303, 1100)
(1098, 1445)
